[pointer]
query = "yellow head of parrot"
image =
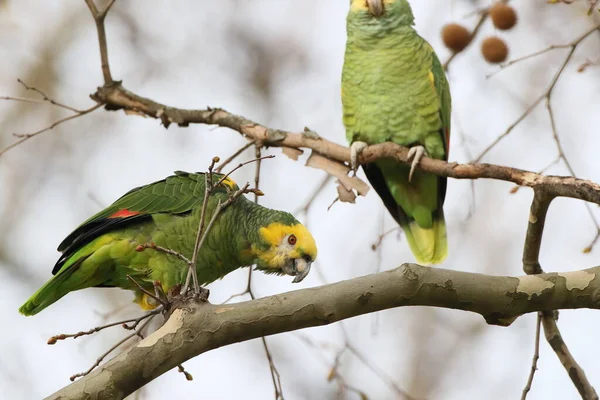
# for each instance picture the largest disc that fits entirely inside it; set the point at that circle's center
(375, 7)
(290, 250)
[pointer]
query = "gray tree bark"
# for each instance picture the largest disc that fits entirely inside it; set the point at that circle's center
(197, 328)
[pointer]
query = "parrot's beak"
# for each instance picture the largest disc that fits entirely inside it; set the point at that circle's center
(375, 7)
(298, 268)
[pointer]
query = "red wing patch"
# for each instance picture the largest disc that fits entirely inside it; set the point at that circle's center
(124, 213)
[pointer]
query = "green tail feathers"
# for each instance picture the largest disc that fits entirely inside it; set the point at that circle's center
(428, 245)
(416, 206)
(51, 292)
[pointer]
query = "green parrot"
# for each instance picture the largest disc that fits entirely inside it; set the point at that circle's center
(101, 252)
(394, 89)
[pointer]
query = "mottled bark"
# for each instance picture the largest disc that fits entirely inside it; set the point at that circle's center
(197, 328)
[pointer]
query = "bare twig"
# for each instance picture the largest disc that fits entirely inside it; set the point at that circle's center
(99, 17)
(536, 357)
(334, 371)
(382, 236)
(275, 376)
(113, 348)
(202, 233)
(138, 320)
(318, 189)
(258, 159)
(234, 156)
(26, 136)
(208, 187)
(146, 292)
(46, 98)
(379, 372)
(153, 246)
(123, 323)
(187, 375)
(547, 93)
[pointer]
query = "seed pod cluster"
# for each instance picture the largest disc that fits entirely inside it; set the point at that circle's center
(493, 48)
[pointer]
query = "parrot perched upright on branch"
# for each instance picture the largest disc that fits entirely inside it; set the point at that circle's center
(394, 89)
(105, 249)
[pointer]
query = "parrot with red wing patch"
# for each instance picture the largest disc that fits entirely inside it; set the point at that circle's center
(101, 252)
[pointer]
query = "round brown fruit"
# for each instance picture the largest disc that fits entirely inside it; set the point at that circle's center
(456, 37)
(494, 49)
(503, 16)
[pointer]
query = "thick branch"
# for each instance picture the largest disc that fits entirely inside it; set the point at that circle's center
(117, 97)
(531, 265)
(196, 329)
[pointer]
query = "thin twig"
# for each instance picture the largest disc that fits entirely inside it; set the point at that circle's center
(275, 376)
(33, 101)
(142, 247)
(26, 136)
(258, 157)
(536, 357)
(547, 96)
(234, 156)
(562, 155)
(146, 292)
(187, 375)
(379, 372)
(334, 372)
(547, 93)
(245, 291)
(46, 98)
(240, 166)
(318, 189)
(382, 236)
(138, 320)
(99, 17)
(54, 339)
(113, 348)
(192, 264)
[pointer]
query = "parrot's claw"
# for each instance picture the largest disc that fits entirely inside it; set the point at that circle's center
(415, 153)
(355, 149)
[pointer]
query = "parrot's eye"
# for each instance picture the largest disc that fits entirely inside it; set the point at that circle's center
(292, 240)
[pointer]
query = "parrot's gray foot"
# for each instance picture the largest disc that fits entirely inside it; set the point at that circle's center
(355, 149)
(415, 153)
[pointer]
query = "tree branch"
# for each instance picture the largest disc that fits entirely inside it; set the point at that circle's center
(198, 328)
(117, 97)
(99, 17)
(531, 265)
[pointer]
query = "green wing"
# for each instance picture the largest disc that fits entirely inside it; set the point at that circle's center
(177, 194)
